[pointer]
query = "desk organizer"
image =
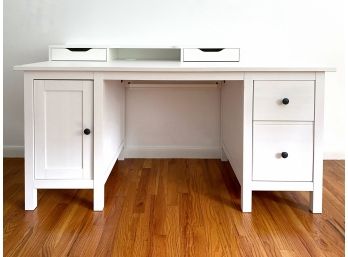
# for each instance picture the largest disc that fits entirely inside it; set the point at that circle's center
(112, 53)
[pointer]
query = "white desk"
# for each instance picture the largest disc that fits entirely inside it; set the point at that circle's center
(271, 143)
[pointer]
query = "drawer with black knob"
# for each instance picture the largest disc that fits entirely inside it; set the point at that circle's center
(282, 151)
(284, 100)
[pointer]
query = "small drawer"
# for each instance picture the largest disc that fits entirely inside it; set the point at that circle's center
(284, 100)
(211, 54)
(282, 151)
(78, 54)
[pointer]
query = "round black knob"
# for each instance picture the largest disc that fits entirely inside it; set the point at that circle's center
(86, 131)
(285, 101)
(284, 155)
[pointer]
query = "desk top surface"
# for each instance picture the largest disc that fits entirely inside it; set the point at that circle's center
(161, 66)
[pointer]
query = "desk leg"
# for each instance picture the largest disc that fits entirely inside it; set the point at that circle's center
(30, 197)
(246, 194)
(316, 197)
(98, 172)
(98, 198)
(30, 190)
(29, 169)
(246, 199)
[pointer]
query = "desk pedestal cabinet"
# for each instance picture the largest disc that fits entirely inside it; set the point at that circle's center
(271, 128)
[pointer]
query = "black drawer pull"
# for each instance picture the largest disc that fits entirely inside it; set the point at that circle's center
(211, 49)
(79, 49)
(87, 131)
(284, 155)
(285, 101)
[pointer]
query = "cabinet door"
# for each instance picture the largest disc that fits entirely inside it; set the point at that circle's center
(63, 109)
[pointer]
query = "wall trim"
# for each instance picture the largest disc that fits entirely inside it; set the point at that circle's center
(172, 152)
(12, 151)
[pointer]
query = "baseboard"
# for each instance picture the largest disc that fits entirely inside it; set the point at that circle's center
(172, 152)
(12, 151)
(334, 155)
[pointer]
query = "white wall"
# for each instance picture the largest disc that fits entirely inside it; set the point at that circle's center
(173, 120)
(269, 32)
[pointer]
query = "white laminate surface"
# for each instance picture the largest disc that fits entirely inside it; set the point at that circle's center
(158, 66)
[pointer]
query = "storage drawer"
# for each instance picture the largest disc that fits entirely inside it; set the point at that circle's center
(283, 151)
(211, 54)
(284, 100)
(78, 54)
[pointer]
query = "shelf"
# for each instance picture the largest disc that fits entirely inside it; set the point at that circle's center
(153, 54)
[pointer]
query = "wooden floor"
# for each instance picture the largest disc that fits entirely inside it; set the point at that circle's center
(172, 207)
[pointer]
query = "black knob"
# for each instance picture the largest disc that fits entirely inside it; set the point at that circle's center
(86, 131)
(284, 155)
(285, 101)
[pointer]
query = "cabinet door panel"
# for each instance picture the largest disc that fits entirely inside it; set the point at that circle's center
(62, 110)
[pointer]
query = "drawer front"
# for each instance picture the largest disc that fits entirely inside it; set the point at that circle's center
(284, 100)
(78, 54)
(271, 141)
(211, 54)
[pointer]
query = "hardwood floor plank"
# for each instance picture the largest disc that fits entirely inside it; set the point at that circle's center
(173, 231)
(301, 242)
(174, 208)
(159, 209)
